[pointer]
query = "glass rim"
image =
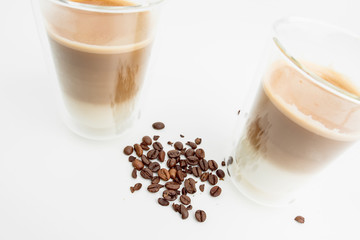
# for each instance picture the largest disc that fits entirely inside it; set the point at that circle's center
(312, 76)
(109, 9)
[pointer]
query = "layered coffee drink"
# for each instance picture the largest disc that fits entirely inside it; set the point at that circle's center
(297, 126)
(100, 58)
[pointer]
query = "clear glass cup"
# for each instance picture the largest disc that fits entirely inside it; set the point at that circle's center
(302, 113)
(100, 55)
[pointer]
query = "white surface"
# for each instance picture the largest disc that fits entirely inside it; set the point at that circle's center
(55, 185)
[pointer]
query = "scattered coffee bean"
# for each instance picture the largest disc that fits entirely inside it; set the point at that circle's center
(170, 195)
(200, 153)
(184, 212)
(180, 175)
(196, 171)
(138, 164)
(204, 177)
(173, 153)
(176, 207)
(128, 150)
(203, 164)
(170, 143)
(147, 140)
(212, 165)
(161, 156)
(134, 173)
(213, 179)
(171, 162)
(215, 191)
(155, 180)
(132, 190)
(144, 146)
(191, 144)
(164, 174)
(189, 152)
(153, 188)
(198, 141)
(220, 173)
(300, 219)
(158, 125)
(152, 154)
(200, 215)
(223, 163)
(138, 150)
(192, 160)
(182, 136)
(156, 137)
(202, 187)
(145, 160)
(157, 146)
(136, 187)
(178, 146)
(131, 158)
(190, 185)
(184, 199)
(163, 202)
(154, 167)
(146, 173)
(172, 185)
(172, 173)
(189, 207)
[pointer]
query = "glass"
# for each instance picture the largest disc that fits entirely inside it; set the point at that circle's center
(100, 56)
(303, 111)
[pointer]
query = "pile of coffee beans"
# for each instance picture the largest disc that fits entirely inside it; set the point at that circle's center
(177, 173)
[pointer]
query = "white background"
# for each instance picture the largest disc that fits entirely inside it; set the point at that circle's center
(56, 185)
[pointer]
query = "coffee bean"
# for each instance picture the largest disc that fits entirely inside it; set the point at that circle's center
(184, 199)
(163, 202)
(176, 207)
(300, 219)
(155, 180)
(183, 163)
(173, 153)
(164, 174)
(223, 163)
(220, 173)
(172, 173)
(182, 136)
(136, 187)
(157, 146)
(171, 162)
(170, 143)
(200, 153)
(172, 185)
(170, 195)
(144, 146)
(153, 188)
(158, 125)
(147, 140)
(215, 191)
(198, 141)
(152, 154)
(146, 173)
(189, 152)
(156, 137)
(189, 207)
(191, 144)
(192, 160)
(132, 190)
(184, 212)
(196, 171)
(138, 150)
(180, 175)
(178, 145)
(204, 177)
(190, 185)
(203, 164)
(145, 160)
(212, 165)
(154, 167)
(213, 179)
(128, 150)
(161, 156)
(138, 164)
(134, 173)
(131, 158)
(202, 187)
(200, 215)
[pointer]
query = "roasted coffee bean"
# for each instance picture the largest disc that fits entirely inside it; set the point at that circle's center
(191, 144)
(144, 146)
(189, 207)
(183, 163)
(131, 158)
(300, 219)
(212, 165)
(192, 160)
(171, 162)
(202, 187)
(182, 136)
(155, 180)
(164, 174)
(204, 177)
(158, 125)
(230, 160)
(163, 202)
(196, 171)
(132, 190)
(170, 143)
(183, 191)
(170, 195)
(153, 188)
(152, 154)
(172, 185)
(198, 141)
(134, 173)
(136, 187)
(138, 164)
(178, 145)
(173, 153)
(184, 212)
(128, 150)
(176, 207)
(145, 160)
(200, 215)
(190, 185)
(200, 153)
(213, 179)
(157, 146)
(156, 137)
(189, 170)
(146, 173)
(189, 152)
(223, 163)
(180, 175)
(184, 199)
(154, 167)
(220, 173)
(203, 164)
(161, 156)
(215, 191)
(147, 140)
(138, 150)
(172, 173)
